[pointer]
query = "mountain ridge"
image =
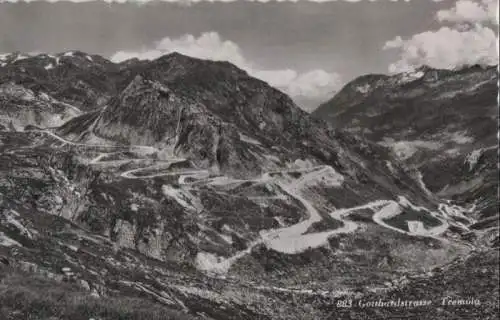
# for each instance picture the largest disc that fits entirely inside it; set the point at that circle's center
(189, 183)
(436, 124)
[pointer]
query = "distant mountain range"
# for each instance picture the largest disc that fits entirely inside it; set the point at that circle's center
(188, 183)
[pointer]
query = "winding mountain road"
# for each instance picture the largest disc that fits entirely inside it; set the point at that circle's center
(290, 239)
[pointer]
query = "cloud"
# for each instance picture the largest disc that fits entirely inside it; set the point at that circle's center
(182, 1)
(314, 85)
(467, 11)
(446, 48)
(189, 2)
(469, 40)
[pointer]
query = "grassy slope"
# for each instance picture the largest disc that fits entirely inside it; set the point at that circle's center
(24, 296)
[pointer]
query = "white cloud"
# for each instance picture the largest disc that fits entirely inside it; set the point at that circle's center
(181, 1)
(446, 48)
(469, 40)
(313, 84)
(208, 45)
(467, 11)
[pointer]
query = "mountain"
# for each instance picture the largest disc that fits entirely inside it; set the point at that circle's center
(190, 184)
(442, 122)
(21, 108)
(74, 77)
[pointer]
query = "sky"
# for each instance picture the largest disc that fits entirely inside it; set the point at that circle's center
(306, 48)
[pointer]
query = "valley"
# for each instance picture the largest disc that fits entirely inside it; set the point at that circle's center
(220, 199)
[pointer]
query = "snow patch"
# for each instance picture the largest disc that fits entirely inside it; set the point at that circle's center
(20, 57)
(364, 88)
(410, 76)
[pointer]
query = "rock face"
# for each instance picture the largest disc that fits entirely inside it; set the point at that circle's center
(442, 122)
(21, 107)
(204, 189)
(218, 116)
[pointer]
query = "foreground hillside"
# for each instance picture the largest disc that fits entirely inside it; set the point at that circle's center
(195, 186)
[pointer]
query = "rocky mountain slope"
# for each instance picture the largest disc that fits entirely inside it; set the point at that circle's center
(80, 79)
(191, 184)
(442, 122)
(22, 108)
